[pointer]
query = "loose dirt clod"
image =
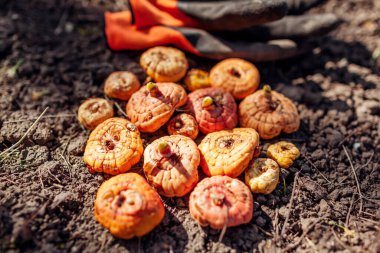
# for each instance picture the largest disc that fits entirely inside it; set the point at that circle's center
(269, 112)
(171, 165)
(214, 109)
(164, 64)
(262, 175)
(228, 152)
(284, 153)
(153, 105)
(237, 76)
(94, 111)
(183, 124)
(121, 85)
(221, 201)
(5, 153)
(113, 147)
(127, 206)
(197, 79)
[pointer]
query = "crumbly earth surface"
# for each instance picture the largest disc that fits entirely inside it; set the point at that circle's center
(53, 54)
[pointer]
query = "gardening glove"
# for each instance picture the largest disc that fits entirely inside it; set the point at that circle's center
(218, 29)
(208, 15)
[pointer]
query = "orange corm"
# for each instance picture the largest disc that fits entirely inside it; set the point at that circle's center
(164, 64)
(113, 147)
(228, 152)
(262, 175)
(171, 165)
(284, 153)
(183, 124)
(121, 85)
(197, 79)
(127, 206)
(94, 111)
(213, 108)
(269, 112)
(221, 201)
(237, 76)
(153, 105)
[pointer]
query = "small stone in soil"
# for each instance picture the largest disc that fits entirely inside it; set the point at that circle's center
(323, 206)
(260, 221)
(318, 154)
(312, 98)
(333, 136)
(34, 156)
(42, 135)
(261, 199)
(314, 188)
(305, 168)
(77, 145)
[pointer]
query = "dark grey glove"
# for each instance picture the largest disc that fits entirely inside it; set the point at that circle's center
(257, 30)
(280, 39)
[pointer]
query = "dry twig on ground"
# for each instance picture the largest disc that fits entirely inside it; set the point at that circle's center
(315, 167)
(304, 234)
(295, 184)
(356, 180)
(14, 146)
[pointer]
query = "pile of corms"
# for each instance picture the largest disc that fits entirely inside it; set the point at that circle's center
(129, 205)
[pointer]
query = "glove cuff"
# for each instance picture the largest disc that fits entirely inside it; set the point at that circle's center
(150, 13)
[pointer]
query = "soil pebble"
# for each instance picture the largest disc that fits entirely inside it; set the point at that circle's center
(77, 145)
(34, 156)
(52, 172)
(317, 191)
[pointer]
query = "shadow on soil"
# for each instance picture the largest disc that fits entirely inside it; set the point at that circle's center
(66, 62)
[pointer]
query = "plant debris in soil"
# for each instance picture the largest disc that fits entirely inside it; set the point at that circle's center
(53, 55)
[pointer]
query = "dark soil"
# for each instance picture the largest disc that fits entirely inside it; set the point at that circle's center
(47, 194)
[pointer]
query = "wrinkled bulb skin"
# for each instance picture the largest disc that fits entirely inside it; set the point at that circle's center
(127, 206)
(94, 111)
(221, 201)
(121, 85)
(183, 124)
(269, 112)
(197, 79)
(113, 147)
(213, 108)
(262, 175)
(228, 152)
(164, 64)
(171, 165)
(152, 106)
(284, 153)
(237, 76)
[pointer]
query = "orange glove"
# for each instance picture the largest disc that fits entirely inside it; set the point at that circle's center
(122, 34)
